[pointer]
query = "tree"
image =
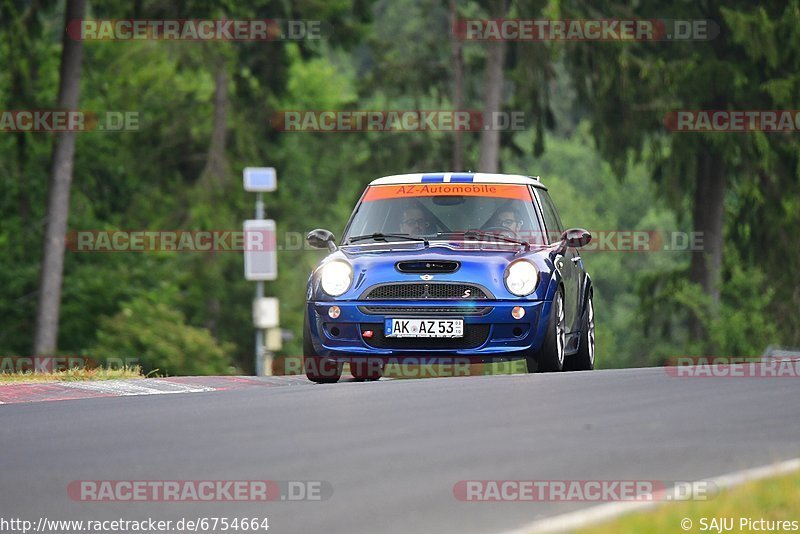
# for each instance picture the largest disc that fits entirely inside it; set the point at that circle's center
(630, 87)
(458, 85)
(769, 201)
(494, 76)
(52, 270)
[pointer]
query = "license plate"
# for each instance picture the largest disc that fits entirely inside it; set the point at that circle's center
(424, 328)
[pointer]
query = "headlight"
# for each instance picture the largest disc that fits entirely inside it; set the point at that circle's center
(335, 277)
(521, 278)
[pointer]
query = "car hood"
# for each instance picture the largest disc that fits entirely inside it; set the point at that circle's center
(480, 263)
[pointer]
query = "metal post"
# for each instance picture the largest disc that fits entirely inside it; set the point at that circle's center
(259, 294)
(259, 336)
(259, 180)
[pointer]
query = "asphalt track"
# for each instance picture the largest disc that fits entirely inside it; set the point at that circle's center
(393, 450)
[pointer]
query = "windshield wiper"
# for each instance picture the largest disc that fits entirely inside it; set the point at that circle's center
(478, 234)
(382, 237)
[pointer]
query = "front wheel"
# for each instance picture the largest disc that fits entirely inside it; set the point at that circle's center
(583, 360)
(321, 370)
(318, 369)
(550, 358)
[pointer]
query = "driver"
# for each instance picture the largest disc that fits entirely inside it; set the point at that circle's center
(414, 222)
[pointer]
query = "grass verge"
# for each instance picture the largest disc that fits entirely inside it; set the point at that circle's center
(774, 500)
(72, 374)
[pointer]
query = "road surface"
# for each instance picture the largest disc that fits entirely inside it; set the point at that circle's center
(393, 450)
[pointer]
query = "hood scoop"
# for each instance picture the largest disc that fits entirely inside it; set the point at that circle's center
(427, 266)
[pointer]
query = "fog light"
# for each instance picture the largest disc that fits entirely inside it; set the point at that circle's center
(518, 312)
(333, 312)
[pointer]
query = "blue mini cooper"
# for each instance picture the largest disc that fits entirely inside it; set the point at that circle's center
(443, 266)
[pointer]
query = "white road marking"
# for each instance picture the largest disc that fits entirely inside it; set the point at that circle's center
(150, 386)
(134, 387)
(604, 512)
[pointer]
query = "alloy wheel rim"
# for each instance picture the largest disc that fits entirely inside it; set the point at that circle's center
(591, 331)
(560, 333)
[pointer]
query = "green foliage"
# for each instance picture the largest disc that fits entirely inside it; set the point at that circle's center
(159, 338)
(589, 194)
(740, 327)
(189, 313)
(320, 83)
(744, 326)
(408, 37)
(628, 90)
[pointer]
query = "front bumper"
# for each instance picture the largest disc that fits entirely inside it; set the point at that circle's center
(490, 332)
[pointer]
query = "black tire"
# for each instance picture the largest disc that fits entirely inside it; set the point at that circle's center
(583, 360)
(550, 357)
(318, 369)
(366, 368)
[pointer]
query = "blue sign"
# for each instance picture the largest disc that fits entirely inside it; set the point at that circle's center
(258, 179)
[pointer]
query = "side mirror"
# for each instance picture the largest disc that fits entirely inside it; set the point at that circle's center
(576, 238)
(320, 238)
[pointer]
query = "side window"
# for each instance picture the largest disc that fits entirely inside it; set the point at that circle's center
(550, 215)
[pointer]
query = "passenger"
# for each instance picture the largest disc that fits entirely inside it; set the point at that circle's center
(508, 218)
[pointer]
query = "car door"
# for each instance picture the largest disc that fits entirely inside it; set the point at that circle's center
(567, 263)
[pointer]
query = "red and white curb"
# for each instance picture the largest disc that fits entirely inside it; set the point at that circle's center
(58, 391)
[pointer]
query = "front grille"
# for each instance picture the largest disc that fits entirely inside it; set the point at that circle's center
(475, 335)
(425, 290)
(426, 310)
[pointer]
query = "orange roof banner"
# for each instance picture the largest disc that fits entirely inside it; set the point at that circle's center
(382, 192)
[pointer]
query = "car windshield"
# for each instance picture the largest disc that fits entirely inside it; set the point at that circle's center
(446, 211)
